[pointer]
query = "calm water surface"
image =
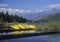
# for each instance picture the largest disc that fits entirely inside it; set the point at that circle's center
(45, 38)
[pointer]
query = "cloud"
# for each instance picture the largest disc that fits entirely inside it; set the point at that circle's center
(49, 7)
(53, 6)
(14, 10)
(3, 5)
(39, 11)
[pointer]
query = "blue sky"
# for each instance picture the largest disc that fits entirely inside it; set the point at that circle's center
(28, 5)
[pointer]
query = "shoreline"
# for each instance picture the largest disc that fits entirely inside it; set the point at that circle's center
(3, 37)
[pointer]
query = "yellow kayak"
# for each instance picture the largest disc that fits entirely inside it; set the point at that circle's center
(23, 26)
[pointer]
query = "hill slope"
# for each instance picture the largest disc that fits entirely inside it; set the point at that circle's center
(52, 17)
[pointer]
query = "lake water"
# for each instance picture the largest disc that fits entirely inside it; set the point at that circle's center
(44, 38)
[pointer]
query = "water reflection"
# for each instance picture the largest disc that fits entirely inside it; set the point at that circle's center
(54, 38)
(45, 38)
(21, 32)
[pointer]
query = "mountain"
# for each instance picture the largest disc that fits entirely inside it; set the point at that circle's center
(45, 13)
(38, 15)
(52, 17)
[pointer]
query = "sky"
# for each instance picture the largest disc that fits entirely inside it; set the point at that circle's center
(27, 6)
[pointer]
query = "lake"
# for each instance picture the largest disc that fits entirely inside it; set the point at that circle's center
(44, 38)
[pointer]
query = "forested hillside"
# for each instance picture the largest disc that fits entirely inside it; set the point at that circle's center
(5, 17)
(53, 22)
(52, 17)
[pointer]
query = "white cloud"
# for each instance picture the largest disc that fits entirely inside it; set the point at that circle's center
(3, 5)
(10, 10)
(47, 7)
(14, 10)
(53, 5)
(28, 11)
(39, 11)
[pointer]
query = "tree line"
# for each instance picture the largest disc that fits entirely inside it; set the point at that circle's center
(5, 17)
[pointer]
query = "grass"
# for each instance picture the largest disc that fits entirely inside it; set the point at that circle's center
(54, 25)
(50, 26)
